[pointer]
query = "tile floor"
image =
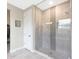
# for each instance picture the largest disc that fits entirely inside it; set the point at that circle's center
(24, 54)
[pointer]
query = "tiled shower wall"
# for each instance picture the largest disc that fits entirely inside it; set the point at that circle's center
(48, 38)
(44, 33)
(38, 28)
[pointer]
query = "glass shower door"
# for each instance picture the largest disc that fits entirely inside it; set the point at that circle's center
(63, 39)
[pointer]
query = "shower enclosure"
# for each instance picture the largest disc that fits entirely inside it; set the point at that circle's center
(53, 31)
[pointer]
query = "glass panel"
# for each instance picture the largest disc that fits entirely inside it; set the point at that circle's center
(53, 31)
(63, 39)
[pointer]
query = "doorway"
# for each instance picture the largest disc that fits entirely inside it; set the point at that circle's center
(8, 31)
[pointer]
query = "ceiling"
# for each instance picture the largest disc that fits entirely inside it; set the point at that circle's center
(42, 4)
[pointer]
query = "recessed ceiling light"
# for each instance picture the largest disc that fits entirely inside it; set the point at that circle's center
(50, 2)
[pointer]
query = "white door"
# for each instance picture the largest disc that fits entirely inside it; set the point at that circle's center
(28, 30)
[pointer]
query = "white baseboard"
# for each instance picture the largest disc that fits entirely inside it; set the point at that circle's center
(14, 50)
(42, 54)
(28, 49)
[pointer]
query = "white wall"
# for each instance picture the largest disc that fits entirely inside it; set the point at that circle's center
(21, 37)
(28, 29)
(16, 36)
